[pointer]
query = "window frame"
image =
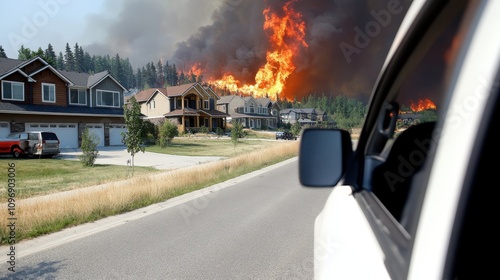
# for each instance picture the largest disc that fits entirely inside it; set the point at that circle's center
(79, 90)
(12, 83)
(99, 95)
(396, 238)
(51, 94)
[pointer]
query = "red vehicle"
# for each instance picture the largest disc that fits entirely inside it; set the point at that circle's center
(12, 146)
(31, 143)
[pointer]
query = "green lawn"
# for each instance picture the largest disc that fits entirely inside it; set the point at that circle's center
(43, 176)
(36, 177)
(222, 147)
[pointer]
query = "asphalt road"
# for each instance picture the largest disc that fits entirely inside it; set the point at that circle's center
(258, 226)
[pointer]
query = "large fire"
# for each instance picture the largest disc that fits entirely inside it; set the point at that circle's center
(286, 36)
(422, 105)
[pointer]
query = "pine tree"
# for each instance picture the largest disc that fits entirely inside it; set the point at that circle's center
(69, 59)
(78, 55)
(50, 56)
(2, 52)
(60, 62)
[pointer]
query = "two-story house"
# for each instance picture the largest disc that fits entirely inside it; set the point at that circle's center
(190, 106)
(34, 96)
(254, 113)
(303, 116)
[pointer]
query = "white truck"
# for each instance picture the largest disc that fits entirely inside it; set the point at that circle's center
(414, 200)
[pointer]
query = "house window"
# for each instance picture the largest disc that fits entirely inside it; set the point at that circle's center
(48, 93)
(12, 91)
(108, 98)
(205, 104)
(252, 109)
(77, 96)
(264, 110)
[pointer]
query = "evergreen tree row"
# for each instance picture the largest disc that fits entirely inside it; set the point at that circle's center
(76, 59)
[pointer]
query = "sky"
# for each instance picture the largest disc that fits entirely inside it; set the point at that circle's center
(99, 25)
(346, 41)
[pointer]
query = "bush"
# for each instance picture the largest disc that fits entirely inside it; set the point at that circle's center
(89, 148)
(167, 132)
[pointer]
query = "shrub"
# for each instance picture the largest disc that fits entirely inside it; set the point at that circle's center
(167, 132)
(89, 148)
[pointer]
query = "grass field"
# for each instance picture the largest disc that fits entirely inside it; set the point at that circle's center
(49, 214)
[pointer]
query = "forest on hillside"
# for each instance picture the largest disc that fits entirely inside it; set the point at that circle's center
(346, 112)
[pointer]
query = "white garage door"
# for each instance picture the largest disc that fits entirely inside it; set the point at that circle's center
(115, 134)
(4, 129)
(97, 130)
(67, 132)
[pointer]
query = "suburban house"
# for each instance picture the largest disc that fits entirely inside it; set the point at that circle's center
(251, 112)
(34, 96)
(191, 106)
(303, 116)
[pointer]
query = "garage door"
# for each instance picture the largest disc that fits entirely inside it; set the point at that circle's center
(115, 134)
(67, 132)
(97, 130)
(4, 129)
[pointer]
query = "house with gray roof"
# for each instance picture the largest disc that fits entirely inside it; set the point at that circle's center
(251, 112)
(36, 96)
(306, 117)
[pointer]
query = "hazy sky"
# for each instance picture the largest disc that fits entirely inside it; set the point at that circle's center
(99, 26)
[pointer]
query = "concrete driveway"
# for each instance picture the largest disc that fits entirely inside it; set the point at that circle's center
(117, 155)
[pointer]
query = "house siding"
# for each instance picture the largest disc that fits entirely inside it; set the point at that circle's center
(17, 77)
(48, 77)
(160, 104)
(109, 85)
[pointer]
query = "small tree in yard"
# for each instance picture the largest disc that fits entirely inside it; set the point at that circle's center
(89, 148)
(236, 133)
(133, 137)
(220, 132)
(296, 128)
(167, 132)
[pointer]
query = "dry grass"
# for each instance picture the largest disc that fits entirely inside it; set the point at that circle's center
(42, 215)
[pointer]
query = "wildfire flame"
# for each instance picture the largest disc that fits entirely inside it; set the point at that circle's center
(422, 105)
(286, 35)
(196, 69)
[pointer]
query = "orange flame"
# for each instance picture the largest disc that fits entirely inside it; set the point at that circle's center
(286, 37)
(422, 105)
(196, 69)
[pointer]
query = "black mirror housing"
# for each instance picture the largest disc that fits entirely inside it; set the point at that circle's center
(323, 156)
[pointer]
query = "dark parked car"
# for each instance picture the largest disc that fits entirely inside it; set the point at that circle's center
(285, 135)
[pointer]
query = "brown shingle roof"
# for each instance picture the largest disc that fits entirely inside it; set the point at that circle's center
(178, 90)
(144, 95)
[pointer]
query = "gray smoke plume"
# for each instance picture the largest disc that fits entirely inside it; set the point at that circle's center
(347, 39)
(347, 43)
(146, 31)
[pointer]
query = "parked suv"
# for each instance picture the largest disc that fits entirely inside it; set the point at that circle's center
(40, 143)
(415, 198)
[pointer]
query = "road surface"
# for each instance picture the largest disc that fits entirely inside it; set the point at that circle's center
(259, 226)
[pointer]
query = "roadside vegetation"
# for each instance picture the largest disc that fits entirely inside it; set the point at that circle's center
(47, 214)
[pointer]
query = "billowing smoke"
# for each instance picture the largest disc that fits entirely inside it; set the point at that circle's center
(347, 39)
(146, 31)
(347, 43)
